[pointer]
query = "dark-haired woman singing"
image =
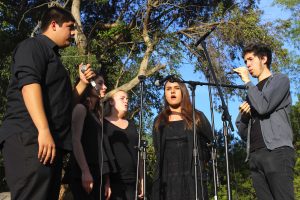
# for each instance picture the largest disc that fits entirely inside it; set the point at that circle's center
(173, 143)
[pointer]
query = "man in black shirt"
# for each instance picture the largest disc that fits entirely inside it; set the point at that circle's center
(36, 126)
(264, 122)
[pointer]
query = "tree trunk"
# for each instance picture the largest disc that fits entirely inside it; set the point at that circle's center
(80, 38)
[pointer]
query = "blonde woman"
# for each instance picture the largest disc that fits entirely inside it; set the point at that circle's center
(123, 138)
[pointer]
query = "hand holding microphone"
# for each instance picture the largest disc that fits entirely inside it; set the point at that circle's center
(242, 72)
(87, 75)
(231, 72)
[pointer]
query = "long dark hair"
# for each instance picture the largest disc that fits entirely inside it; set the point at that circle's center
(186, 108)
(88, 92)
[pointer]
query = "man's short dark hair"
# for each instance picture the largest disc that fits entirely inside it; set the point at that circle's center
(259, 50)
(57, 14)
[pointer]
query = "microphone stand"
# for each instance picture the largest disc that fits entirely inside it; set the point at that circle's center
(226, 118)
(195, 145)
(193, 85)
(142, 144)
(225, 114)
(213, 145)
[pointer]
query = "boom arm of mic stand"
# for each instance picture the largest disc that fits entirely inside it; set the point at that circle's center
(242, 87)
(225, 117)
(224, 106)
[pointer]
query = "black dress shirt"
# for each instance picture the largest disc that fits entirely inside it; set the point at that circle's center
(36, 60)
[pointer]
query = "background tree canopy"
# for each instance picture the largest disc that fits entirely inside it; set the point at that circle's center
(126, 38)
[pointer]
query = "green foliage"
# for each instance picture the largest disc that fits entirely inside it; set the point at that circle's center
(291, 32)
(248, 28)
(101, 1)
(71, 59)
(118, 51)
(241, 184)
(110, 33)
(5, 75)
(150, 164)
(295, 119)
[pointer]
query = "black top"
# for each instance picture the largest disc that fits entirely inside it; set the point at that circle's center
(94, 155)
(36, 60)
(256, 138)
(177, 183)
(174, 170)
(123, 143)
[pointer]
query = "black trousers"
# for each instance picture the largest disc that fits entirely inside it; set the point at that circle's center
(26, 176)
(273, 173)
(122, 191)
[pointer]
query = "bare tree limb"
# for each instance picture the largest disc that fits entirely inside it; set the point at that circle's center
(134, 112)
(155, 69)
(49, 5)
(135, 81)
(80, 38)
(123, 67)
(36, 28)
(125, 8)
(66, 3)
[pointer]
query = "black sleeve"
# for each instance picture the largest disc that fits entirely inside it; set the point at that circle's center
(154, 137)
(205, 128)
(205, 136)
(156, 145)
(29, 63)
(108, 150)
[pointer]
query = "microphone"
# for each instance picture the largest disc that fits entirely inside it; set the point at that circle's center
(92, 82)
(205, 36)
(161, 81)
(231, 72)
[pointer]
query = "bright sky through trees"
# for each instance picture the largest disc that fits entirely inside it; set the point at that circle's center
(271, 13)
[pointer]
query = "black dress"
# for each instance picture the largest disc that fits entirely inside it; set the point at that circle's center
(98, 160)
(174, 174)
(176, 177)
(123, 143)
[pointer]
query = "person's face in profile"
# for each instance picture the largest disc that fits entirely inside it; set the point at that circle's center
(64, 34)
(120, 101)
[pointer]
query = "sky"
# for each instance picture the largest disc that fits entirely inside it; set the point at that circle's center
(202, 98)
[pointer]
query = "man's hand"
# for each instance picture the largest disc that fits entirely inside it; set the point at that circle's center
(33, 99)
(245, 109)
(87, 181)
(47, 150)
(243, 73)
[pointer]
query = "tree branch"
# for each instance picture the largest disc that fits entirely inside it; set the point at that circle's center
(49, 5)
(80, 38)
(135, 81)
(123, 67)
